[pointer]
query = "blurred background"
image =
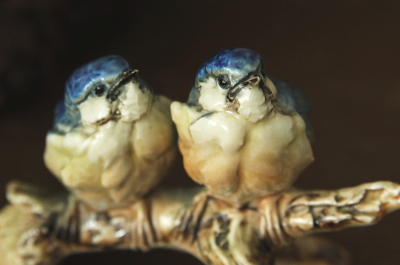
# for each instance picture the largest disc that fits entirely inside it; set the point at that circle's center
(344, 54)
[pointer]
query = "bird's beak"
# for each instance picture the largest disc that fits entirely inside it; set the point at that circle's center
(251, 80)
(117, 86)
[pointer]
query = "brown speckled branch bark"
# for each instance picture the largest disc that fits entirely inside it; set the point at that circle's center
(51, 225)
(305, 212)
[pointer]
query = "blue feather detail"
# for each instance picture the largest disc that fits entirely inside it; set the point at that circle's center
(79, 84)
(81, 81)
(65, 119)
(293, 99)
(238, 60)
(59, 111)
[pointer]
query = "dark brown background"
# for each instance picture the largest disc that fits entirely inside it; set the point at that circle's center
(344, 54)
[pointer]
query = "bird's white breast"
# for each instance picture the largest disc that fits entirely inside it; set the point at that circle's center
(252, 104)
(94, 109)
(105, 144)
(225, 128)
(134, 102)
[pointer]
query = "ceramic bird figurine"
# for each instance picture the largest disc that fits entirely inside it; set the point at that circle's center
(242, 134)
(113, 138)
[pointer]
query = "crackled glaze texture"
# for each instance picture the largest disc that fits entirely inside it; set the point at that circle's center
(110, 131)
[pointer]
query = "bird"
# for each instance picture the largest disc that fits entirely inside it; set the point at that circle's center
(113, 139)
(242, 134)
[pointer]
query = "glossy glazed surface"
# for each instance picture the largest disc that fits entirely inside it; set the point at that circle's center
(113, 139)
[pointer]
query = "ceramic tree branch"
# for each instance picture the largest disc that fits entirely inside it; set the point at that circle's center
(224, 234)
(304, 212)
(242, 134)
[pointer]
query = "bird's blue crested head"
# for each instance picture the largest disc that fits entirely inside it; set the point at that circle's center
(82, 80)
(80, 84)
(229, 66)
(237, 63)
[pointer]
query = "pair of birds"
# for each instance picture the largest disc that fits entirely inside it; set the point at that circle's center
(241, 134)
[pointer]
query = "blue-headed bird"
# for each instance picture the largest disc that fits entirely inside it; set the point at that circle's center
(113, 139)
(242, 134)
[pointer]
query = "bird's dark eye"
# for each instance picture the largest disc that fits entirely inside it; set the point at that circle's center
(223, 81)
(99, 90)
